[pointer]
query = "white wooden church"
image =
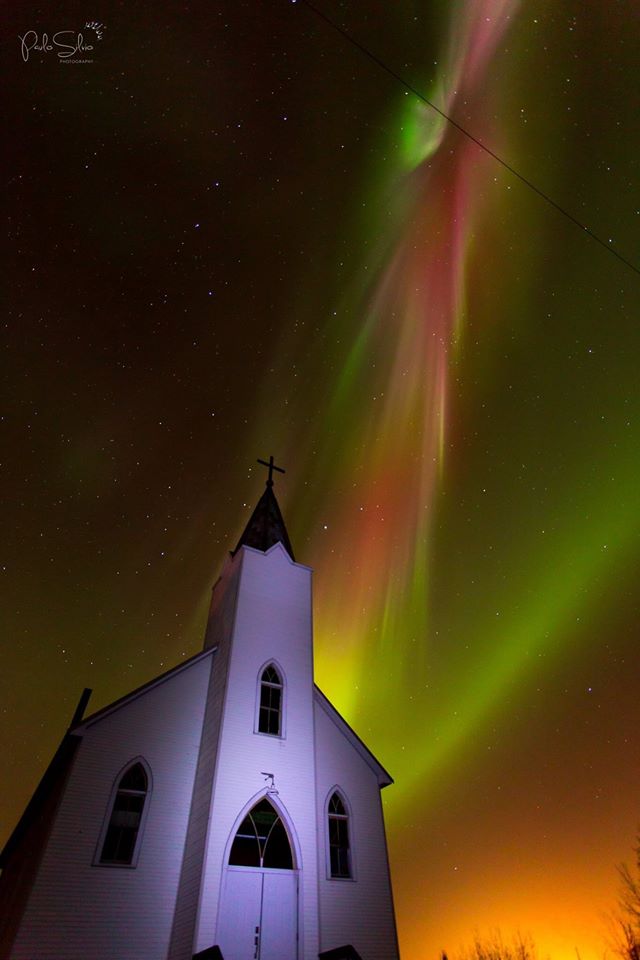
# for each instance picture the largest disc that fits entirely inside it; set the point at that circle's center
(223, 810)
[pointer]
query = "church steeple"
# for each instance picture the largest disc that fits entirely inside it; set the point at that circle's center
(266, 526)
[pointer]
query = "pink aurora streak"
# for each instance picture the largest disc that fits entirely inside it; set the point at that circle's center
(413, 319)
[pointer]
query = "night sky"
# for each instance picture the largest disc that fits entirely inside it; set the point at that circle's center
(233, 235)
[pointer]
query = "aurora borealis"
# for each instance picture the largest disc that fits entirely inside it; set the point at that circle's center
(234, 235)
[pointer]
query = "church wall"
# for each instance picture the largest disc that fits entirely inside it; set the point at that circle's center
(273, 621)
(77, 909)
(358, 911)
(218, 633)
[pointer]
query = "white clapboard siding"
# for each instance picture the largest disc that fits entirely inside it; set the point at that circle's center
(78, 909)
(357, 911)
(218, 634)
(272, 622)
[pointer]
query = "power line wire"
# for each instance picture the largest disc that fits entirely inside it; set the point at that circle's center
(405, 83)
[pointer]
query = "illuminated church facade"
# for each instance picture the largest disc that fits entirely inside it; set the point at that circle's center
(225, 809)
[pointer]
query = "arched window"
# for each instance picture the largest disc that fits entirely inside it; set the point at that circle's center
(126, 814)
(339, 851)
(261, 840)
(270, 708)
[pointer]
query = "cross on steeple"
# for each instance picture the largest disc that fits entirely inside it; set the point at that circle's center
(272, 467)
(266, 526)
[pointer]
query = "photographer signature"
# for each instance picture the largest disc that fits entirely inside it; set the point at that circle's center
(67, 43)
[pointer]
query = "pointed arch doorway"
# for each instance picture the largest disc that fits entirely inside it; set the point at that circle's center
(258, 917)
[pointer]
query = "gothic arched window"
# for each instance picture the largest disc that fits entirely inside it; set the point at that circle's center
(261, 840)
(121, 836)
(339, 850)
(270, 706)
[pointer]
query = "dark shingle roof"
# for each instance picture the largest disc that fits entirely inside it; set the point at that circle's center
(266, 526)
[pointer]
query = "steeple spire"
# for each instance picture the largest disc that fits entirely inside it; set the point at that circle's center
(266, 526)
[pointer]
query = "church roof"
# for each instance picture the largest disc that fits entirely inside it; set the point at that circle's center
(266, 526)
(40, 810)
(384, 777)
(43, 803)
(149, 685)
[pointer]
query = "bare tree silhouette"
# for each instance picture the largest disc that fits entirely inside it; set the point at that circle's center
(627, 918)
(494, 947)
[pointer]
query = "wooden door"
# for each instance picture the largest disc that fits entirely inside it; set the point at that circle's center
(279, 916)
(259, 915)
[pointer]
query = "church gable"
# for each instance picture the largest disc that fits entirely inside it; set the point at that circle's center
(324, 704)
(353, 870)
(87, 866)
(144, 690)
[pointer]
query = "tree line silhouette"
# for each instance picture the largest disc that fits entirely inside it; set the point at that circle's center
(625, 926)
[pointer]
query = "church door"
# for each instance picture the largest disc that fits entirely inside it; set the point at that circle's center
(259, 907)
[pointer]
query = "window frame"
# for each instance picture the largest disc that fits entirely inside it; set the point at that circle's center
(283, 813)
(97, 858)
(263, 847)
(352, 878)
(283, 701)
